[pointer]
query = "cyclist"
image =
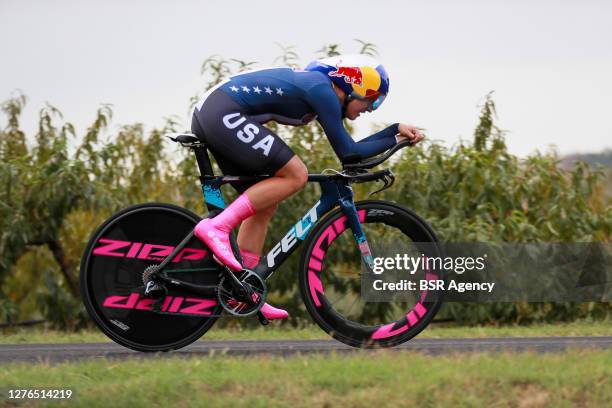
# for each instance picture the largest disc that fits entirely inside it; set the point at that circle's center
(229, 119)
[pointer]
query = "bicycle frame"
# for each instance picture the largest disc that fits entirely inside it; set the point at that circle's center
(333, 191)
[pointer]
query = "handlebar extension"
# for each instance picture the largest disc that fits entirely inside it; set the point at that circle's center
(378, 159)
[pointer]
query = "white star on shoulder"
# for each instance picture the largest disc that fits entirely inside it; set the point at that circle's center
(279, 91)
(246, 89)
(268, 90)
(256, 90)
(233, 88)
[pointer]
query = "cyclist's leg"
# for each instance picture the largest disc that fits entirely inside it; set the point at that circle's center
(251, 238)
(287, 180)
(261, 196)
(252, 233)
(235, 138)
(253, 230)
(250, 260)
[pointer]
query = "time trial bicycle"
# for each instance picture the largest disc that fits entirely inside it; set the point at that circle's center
(151, 285)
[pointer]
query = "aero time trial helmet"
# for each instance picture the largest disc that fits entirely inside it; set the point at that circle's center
(359, 76)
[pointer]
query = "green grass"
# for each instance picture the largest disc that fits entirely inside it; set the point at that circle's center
(382, 378)
(273, 332)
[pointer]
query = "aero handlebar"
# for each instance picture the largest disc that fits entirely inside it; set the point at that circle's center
(378, 159)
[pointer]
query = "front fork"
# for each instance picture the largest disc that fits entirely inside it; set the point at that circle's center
(347, 205)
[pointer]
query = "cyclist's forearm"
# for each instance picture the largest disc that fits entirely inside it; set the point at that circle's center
(348, 150)
(358, 151)
(369, 149)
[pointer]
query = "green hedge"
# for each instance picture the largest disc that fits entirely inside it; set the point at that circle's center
(56, 186)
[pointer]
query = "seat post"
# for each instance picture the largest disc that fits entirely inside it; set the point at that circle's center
(210, 187)
(203, 160)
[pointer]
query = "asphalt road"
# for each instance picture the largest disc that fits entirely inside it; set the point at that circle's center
(69, 352)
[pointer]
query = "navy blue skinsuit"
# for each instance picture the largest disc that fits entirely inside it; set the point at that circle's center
(229, 119)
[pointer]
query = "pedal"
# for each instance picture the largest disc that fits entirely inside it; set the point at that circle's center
(262, 319)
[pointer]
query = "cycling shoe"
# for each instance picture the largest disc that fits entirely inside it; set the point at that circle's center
(218, 242)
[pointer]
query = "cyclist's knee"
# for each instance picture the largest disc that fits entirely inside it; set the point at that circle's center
(300, 174)
(296, 171)
(301, 179)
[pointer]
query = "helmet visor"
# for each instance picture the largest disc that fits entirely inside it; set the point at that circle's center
(376, 101)
(373, 100)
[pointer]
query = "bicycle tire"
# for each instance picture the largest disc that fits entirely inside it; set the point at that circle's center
(316, 263)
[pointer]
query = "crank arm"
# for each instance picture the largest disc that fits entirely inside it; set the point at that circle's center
(242, 292)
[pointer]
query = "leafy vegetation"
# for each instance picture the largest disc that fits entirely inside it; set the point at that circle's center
(56, 186)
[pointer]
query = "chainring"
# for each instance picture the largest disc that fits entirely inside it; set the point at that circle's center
(239, 308)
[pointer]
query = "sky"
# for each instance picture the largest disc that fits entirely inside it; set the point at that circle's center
(549, 63)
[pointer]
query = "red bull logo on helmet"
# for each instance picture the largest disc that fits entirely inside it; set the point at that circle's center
(351, 75)
(357, 75)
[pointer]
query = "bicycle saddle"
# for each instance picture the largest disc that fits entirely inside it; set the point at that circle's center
(183, 138)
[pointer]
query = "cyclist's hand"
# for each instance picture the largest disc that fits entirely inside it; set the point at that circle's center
(409, 132)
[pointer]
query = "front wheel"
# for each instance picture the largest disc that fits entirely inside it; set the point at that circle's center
(112, 286)
(331, 284)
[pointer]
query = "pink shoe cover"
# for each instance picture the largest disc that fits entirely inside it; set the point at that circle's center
(269, 311)
(272, 312)
(218, 241)
(250, 260)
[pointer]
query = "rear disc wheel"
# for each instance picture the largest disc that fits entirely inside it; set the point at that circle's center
(112, 289)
